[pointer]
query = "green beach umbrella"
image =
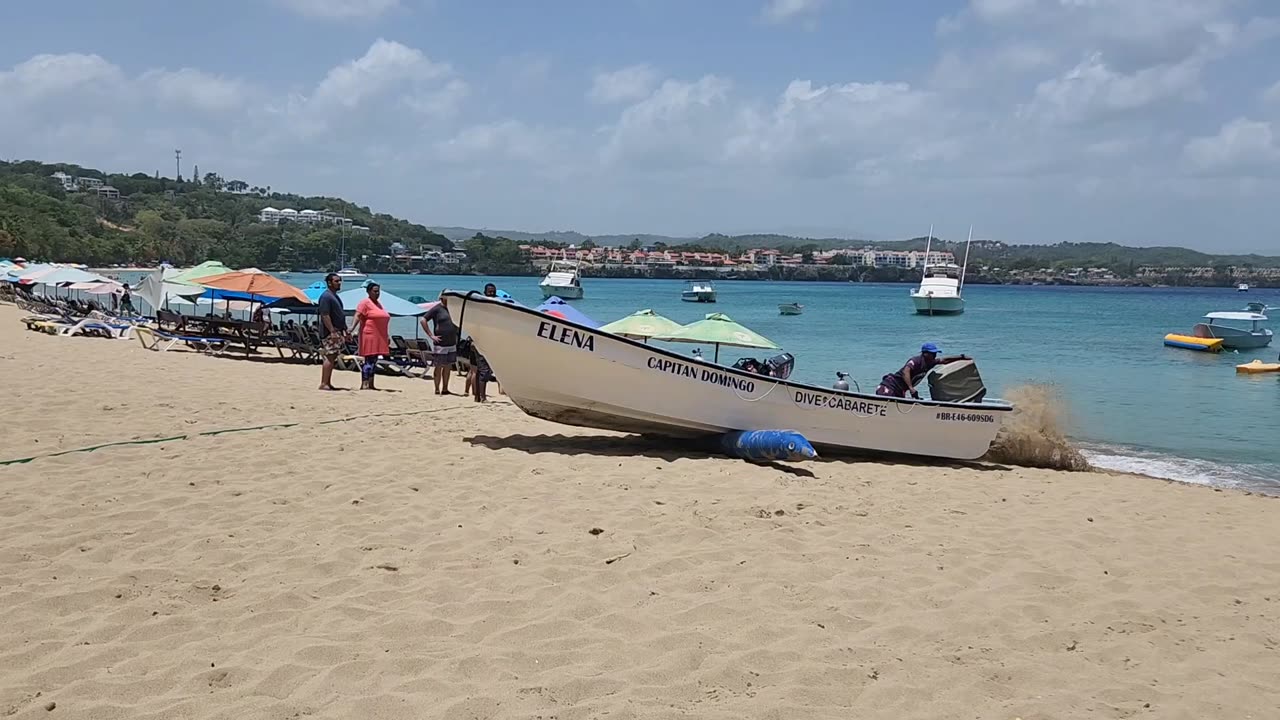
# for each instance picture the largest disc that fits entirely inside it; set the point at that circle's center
(203, 270)
(718, 329)
(642, 325)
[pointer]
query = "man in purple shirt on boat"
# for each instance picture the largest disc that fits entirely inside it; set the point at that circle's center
(905, 380)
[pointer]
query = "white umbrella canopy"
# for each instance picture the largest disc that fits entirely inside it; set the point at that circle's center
(67, 276)
(104, 287)
(157, 291)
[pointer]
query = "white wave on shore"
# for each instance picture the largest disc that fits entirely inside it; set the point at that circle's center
(1258, 478)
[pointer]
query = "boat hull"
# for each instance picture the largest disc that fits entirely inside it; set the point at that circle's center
(698, 296)
(1234, 338)
(790, 309)
(565, 292)
(933, 305)
(574, 375)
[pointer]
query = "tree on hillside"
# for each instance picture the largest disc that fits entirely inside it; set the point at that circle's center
(213, 181)
(237, 186)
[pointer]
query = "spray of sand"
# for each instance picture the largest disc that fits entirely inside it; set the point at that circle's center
(1033, 436)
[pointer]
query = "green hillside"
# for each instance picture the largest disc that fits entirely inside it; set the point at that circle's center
(183, 222)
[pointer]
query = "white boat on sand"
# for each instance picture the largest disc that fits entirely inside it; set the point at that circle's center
(941, 290)
(563, 281)
(571, 374)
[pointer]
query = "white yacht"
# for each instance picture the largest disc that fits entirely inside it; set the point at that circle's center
(941, 290)
(1242, 287)
(701, 291)
(563, 280)
(347, 271)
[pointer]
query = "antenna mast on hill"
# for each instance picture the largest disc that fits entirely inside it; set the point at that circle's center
(177, 155)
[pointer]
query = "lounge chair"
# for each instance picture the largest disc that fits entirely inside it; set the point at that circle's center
(161, 341)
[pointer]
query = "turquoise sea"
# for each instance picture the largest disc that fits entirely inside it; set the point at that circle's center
(1130, 402)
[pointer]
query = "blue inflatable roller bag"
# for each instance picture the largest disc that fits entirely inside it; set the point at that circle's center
(765, 445)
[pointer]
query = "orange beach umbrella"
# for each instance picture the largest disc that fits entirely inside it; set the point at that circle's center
(257, 283)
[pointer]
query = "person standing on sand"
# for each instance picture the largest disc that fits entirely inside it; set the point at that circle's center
(905, 380)
(445, 340)
(333, 328)
(372, 328)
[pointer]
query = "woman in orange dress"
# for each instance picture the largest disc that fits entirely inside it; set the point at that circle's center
(373, 327)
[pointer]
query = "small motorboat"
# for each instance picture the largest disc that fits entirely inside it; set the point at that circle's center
(1191, 342)
(572, 374)
(790, 308)
(563, 280)
(1238, 330)
(349, 272)
(700, 291)
(1242, 287)
(1257, 366)
(941, 290)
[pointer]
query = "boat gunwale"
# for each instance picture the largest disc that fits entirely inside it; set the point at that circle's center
(474, 295)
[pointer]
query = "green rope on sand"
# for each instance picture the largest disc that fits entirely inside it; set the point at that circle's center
(212, 433)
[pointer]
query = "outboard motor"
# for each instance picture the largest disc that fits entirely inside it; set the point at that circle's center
(842, 381)
(957, 381)
(780, 366)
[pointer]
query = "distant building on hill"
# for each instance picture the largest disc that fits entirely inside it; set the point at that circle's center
(272, 216)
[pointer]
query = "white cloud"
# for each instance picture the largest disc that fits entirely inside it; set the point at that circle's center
(1271, 95)
(832, 130)
(498, 142)
(1001, 10)
(1091, 90)
(627, 84)
(340, 9)
(51, 76)
(1242, 145)
(681, 124)
(196, 89)
(781, 11)
(386, 66)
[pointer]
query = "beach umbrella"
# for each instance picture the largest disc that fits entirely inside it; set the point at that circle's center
(719, 329)
(206, 269)
(315, 290)
(158, 291)
(99, 288)
(395, 305)
(31, 273)
(642, 325)
(558, 307)
(65, 276)
(253, 286)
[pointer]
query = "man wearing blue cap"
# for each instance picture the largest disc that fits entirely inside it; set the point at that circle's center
(905, 380)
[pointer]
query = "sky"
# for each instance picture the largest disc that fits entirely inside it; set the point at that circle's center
(1143, 122)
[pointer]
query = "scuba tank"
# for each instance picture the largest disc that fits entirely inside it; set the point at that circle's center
(842, 381)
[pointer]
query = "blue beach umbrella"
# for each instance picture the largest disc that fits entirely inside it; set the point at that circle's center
(569, 312)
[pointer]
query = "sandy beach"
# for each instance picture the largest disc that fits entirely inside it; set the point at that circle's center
(401, 555)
